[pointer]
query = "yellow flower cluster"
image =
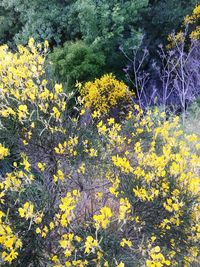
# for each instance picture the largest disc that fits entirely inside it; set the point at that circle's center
(195, 15)
(132, 189)
(193, 33)
(125, 242)
(90, 244)
(103, 94)
(68, 204)
(175, 39)
(124, 208)
(157, 258)
(68, 147)
(123, 163)
(26, 101)
(161, 174)
(9, 242)
(103, 219)
(4, 152)
(24, 95)
(27, 211)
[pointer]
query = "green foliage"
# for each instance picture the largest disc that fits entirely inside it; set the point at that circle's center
(106, 25)
(77, 62)
(162, 17)
(58, 21)
(9, 24)
(111, 22)
(42, 20)
(111, 25)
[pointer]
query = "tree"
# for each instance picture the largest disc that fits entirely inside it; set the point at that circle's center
(110, 25)
(105, 25)
(42, 20)
(161, 18)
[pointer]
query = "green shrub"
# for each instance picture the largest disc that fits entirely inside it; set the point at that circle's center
(76, 62)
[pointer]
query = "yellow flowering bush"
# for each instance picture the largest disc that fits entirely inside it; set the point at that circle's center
(193, 20)
(194, 16)
(191, 28)
(157, 176)
(115, 194)
(104, 94)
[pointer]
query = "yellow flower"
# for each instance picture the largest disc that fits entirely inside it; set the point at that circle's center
(41, 166)
(92, 152)
(126, 242)
(25, 163)
(121, 264)
(81, 169)
(59, 176)
(51, 225)
(56, 113)
(58, 88)
(103, 219)
(124, 209)
(122, 163)
(22, 112)
(54, 258)
(27, 211)
(38, 218)
(4, 152)
(111, 121)
(90, 244)
(82, 112)
(156, 249)
(38, 230)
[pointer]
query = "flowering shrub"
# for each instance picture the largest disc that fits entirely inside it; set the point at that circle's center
(104, 94)
(193, 19)
(195, 15)
(155, 175)
(191, 26)
(116, 194)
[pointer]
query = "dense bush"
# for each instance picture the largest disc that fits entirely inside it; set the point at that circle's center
(76, 62)
(105, 94)
(109, 194)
